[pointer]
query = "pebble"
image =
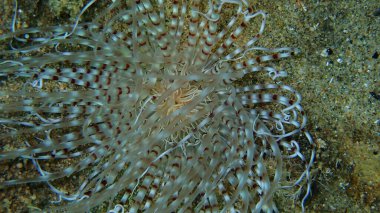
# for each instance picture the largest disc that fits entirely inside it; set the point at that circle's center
(375, 55)
(19, 165)
(326, 52)
(321, 143)
(377, 12)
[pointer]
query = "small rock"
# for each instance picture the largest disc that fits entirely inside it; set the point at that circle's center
(326, 52)
(377, 12)
(19, 165)
(321, 143)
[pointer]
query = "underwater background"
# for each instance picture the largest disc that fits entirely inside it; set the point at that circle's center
(337, 73)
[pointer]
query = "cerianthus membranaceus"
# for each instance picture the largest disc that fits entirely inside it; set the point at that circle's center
(152, 111)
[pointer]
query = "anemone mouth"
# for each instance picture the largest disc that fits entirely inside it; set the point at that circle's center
(177, 99)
